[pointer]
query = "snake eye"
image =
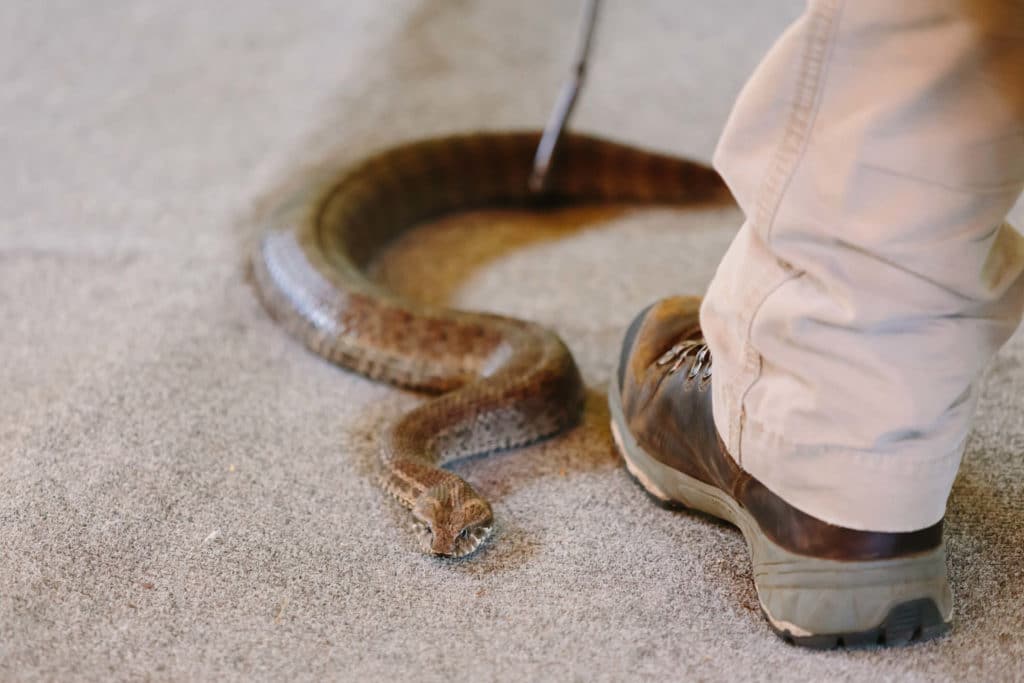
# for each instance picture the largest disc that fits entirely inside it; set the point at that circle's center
(464, 533)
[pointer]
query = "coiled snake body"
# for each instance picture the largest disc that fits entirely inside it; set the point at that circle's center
(501, 382)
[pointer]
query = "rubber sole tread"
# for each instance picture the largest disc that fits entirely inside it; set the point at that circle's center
(909, 622)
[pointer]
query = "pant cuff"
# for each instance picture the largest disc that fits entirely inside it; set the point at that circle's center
(894, 491)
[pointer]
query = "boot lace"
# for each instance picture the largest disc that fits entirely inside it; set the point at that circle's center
(698, 350)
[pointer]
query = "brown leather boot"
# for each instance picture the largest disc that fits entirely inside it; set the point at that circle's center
(819, 585)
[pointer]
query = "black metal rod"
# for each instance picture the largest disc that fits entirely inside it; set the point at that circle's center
(565, 102)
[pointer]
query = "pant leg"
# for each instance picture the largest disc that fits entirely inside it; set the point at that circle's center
(875, 154)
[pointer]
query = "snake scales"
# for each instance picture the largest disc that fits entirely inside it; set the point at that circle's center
(500, 382)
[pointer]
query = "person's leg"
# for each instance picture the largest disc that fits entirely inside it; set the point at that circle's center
(820, 396)
(875, 153)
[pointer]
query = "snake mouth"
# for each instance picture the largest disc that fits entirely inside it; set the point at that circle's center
(468, 541)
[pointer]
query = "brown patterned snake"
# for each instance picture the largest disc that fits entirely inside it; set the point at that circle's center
(501, 382)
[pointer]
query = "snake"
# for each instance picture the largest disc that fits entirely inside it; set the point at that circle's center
(493, 382)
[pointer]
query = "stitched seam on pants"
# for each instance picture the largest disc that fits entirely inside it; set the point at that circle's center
(814, 63)
(802, 115)
(754, 365)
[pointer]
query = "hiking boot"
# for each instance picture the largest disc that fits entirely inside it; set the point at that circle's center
(819, 585)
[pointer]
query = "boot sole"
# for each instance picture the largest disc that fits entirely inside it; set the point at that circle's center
(810, 602)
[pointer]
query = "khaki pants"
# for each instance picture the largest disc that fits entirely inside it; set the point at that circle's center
(875, 153)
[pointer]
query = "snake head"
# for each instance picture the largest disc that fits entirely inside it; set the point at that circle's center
(451, 519)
